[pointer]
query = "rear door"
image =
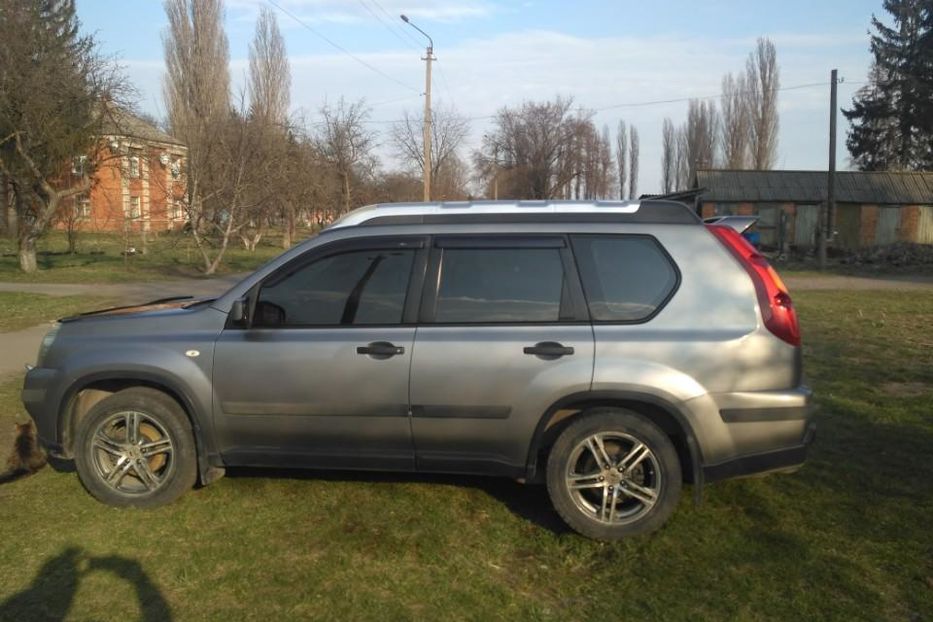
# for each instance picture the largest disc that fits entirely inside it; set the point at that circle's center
(503, 334)
(320, 378)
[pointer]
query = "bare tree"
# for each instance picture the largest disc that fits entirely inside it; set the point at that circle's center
(269, 83)
(532, 143)
(735, 122)
(762, 78)
(448, 131)
(668, 157)
(621, 149)
(269, 74)
(196, 89)
(55, 94)
(633, 165)
(606, 173)
(345, 142)
(238, 182)
(682, 177)
(701, 136)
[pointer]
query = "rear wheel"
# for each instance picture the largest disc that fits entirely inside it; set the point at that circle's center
(613, 473)
(136, 448)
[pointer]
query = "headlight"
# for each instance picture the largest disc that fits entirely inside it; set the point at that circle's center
(47, 342)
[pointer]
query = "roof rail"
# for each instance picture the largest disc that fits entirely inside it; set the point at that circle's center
(476, 212)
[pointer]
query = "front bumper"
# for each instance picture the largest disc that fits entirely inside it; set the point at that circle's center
(41, 402)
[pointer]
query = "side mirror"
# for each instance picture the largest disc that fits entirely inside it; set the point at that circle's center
(239, 312)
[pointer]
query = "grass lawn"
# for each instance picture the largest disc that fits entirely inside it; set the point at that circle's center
(848, 537)
(100, 258)
(20, 310)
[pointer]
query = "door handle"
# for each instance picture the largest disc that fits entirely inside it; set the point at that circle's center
(550, 349)
(380, 349)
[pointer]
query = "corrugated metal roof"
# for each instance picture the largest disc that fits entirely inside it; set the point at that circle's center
(894, 188)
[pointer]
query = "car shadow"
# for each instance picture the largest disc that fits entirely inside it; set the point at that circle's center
(529, 502)
(51, 594)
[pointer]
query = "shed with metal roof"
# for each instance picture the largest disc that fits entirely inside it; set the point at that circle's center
(872, 208)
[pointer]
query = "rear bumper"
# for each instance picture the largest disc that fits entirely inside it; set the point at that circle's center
(758, 432)
(786, 459)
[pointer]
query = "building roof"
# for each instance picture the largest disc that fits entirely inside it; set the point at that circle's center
(121, 122)
(885, 187)
(459, 212)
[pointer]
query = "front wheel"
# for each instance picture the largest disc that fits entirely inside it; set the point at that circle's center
(613, 473)
(136, 448)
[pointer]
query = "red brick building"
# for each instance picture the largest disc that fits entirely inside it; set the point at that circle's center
(872, 208)
(139, 185)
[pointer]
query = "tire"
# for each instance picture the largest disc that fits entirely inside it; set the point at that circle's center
(636, 495)
(147, 468)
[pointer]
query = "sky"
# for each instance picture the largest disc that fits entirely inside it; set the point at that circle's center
(618, 58)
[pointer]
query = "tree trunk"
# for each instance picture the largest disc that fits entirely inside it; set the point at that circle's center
(9, 208)
(27, 254)
(288, 235)
(346, 193)
(4, 201)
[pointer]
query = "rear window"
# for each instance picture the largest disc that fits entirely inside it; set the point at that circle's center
(625, 278)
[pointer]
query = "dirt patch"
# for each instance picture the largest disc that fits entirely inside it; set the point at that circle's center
(906, 389)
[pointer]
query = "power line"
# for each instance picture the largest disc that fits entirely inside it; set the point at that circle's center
(408, 35)
(341, 48)
(382, 21)
(443, 75)
(654, 102)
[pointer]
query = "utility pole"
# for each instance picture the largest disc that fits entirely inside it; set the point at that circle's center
(428, 58)
(826, 217)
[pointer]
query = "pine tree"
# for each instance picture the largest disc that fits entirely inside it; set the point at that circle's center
(892, 116)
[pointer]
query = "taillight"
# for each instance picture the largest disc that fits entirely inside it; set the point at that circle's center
(777, 309)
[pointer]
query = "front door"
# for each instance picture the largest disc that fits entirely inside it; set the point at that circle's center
(503, 335)
(320, 377)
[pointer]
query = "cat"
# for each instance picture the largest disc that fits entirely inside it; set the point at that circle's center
(27, 457)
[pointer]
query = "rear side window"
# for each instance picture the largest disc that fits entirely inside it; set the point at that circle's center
(501, 285)
(625, 278)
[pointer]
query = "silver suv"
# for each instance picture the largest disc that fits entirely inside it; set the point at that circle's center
(612, 350)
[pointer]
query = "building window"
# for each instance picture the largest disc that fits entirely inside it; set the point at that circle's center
(134, 166)
(83, 207)
(176, 169)
(178, 210)
(78, 165)
(132, 210)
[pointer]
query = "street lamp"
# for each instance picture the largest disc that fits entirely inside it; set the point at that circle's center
(428, 57)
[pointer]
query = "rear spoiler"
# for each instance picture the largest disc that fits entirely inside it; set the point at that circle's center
(739, 223)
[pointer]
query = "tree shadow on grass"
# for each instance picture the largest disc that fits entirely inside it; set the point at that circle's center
(52, 592)
(529, 502)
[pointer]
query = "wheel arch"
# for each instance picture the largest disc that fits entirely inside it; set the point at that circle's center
(659, 410)
(86, 391)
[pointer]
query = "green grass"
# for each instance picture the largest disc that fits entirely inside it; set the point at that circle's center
(19, 310)
(100, 258)
(848, 537)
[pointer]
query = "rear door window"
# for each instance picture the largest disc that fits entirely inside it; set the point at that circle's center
(488, 285)
(625, 278)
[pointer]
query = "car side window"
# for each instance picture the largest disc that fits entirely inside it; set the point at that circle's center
(351, 288)
(479, 285)
(625, 278)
